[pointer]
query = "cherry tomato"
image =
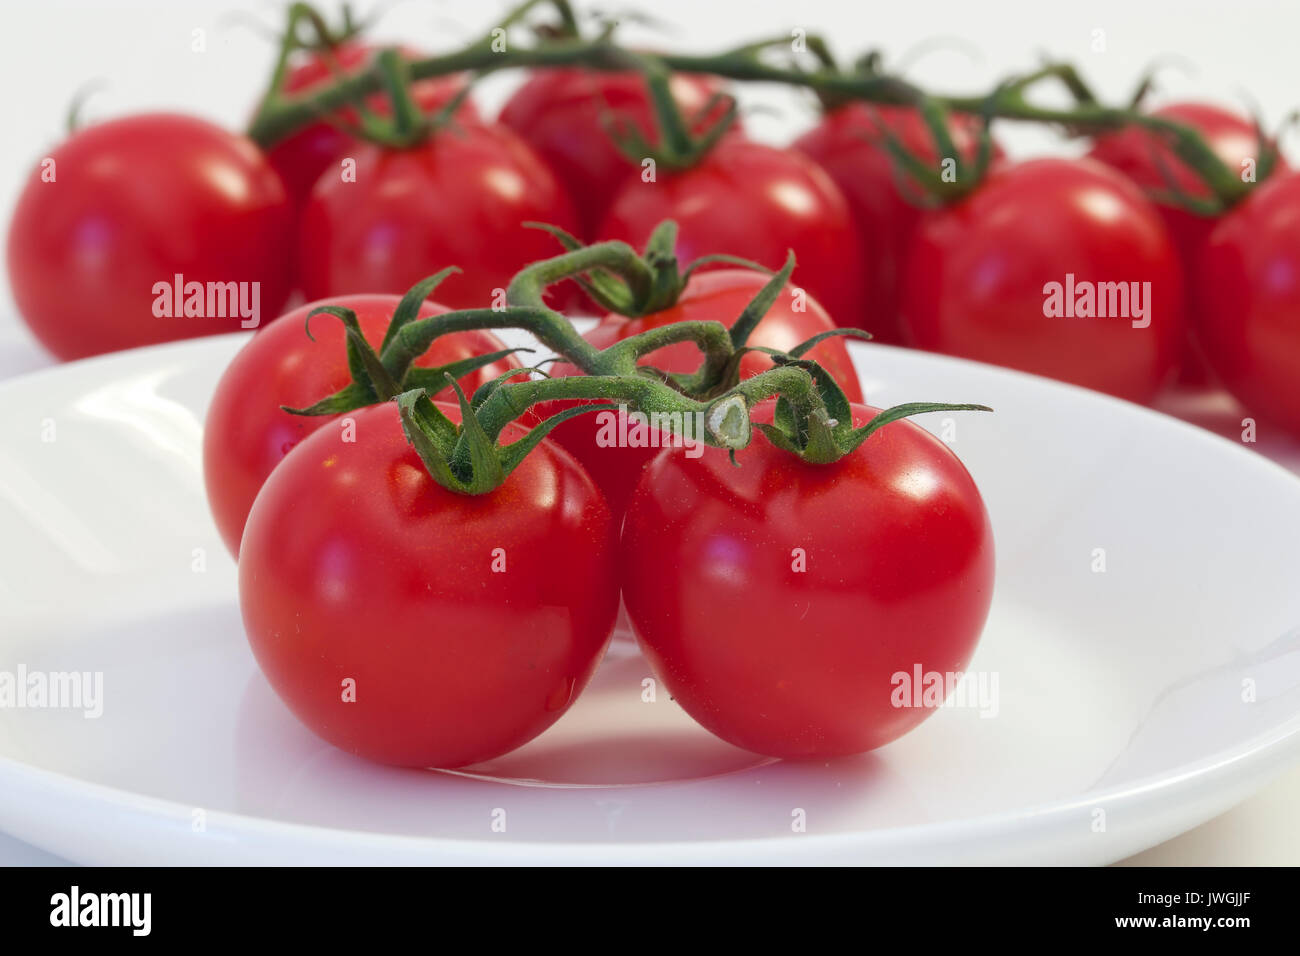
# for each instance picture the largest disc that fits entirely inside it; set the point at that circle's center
(301, 157)
(758, 202)
(1247, 301)
(563, 114)
(247, 433)
(414, 626)
(720, 296)
(1006, 276)
(779, 601)
(1150, 163)
(459, 199)
(847, 143)
(147, 229)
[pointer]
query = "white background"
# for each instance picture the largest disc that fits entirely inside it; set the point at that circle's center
(142, 52)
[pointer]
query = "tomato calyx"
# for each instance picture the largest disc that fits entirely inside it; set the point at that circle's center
(820, 429)
(466, 459)
(921, 181)
(675, 147)
(374, 380)
(653, 284)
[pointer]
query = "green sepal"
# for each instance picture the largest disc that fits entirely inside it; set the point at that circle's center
(431, 434)
(839, 414)
(804, 347)
(761, 303)
(488, 389)
(366, 368)
(516, 451)
(858, 435)
(347, 399)
(434, 380)
(779, 438)
(833, 397)
(475, 455)
(721, 258)
(409, 308)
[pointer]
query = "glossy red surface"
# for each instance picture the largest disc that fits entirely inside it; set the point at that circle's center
(357, 566)
(135, 202)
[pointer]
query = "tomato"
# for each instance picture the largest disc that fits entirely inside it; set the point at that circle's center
(757, 202)
(563, 113)
(301, 157)
(247, 433)
(147, 229)
(360, 574)
(459, 199)
(1247, 301)
(1006, 274)
(720, 296)
(847, 144)
(779, 601)
(1149, 162)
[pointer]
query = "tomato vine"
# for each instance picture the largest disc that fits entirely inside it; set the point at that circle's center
(562, 43)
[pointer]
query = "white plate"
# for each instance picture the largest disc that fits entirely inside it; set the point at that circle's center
(1133, 703)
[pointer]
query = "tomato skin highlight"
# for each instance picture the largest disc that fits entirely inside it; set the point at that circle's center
(459, 199)
(304, 155)
(898, 572)
(720, 296)
(357, 566)
(847, 144)
(1147, 160)
(977, 273)
(560, 113)
(758, 202)
(1247, 301)
(247, 434)
(135, 202)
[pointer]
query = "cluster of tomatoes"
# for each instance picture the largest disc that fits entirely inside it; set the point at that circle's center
(416, 625)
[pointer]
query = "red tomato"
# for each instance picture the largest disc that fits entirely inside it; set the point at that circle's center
(122, 211)
(562, 114)
(360, 574)
(757, 202)
(1247, 301)
(247, 433)
(301, 157)
(459, 199)
(847, 144)
(720, 296)
(1004, 275)
(779, 601)
(1146, 160)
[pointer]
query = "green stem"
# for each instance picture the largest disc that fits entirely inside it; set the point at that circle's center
(722, 428)
(551, 328)
(280, 116)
